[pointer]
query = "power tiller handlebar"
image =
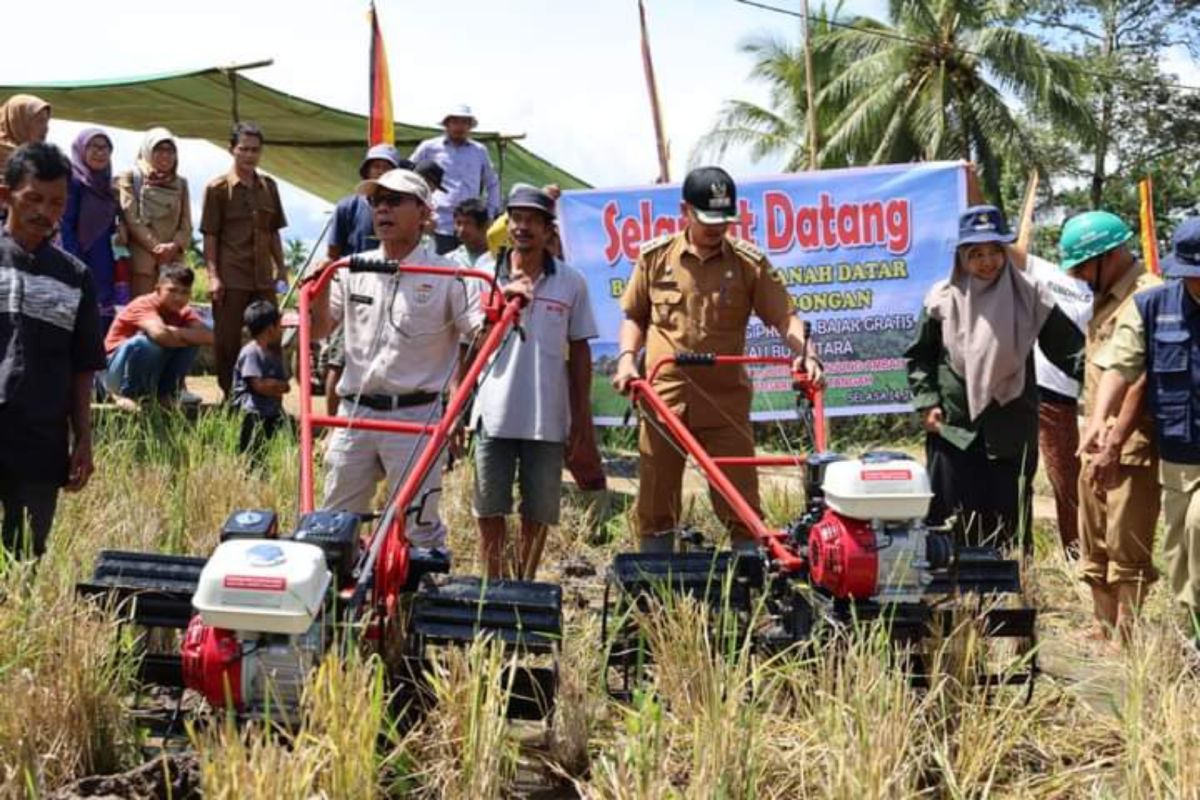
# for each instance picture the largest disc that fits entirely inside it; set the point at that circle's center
(643, 393)
(383, 569)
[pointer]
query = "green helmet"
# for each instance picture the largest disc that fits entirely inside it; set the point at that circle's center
(1091, 234)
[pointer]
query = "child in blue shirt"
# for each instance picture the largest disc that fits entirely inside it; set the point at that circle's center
(260, 379)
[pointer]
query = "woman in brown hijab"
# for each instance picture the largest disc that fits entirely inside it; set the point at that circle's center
(155, 209)
(23, 119)
(971, 372)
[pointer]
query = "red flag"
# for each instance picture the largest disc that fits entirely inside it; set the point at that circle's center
(381, 125)
(1149, 229)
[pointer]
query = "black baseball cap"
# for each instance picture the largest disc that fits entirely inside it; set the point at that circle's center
(526, 196)
(711, 192)
(432, 172)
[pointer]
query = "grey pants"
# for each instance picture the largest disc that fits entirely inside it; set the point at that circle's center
(28, 515)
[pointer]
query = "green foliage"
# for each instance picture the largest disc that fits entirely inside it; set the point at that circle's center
(1145, 123)
(932, 84)
(782, 127)
(295, 253)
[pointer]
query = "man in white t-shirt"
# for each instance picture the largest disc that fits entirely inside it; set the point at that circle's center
(402, 349)
(1058, 402)
(534, 405)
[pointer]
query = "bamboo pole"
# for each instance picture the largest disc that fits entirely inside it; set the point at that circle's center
(664, 169)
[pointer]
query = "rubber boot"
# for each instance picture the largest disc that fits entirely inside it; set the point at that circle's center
(1130, 596)
(658, 543)
(1104, 611)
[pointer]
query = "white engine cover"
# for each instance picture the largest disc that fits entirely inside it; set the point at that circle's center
(263, 585)
(891, 490)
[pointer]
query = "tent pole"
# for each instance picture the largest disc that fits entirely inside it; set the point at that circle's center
(231, 73)
(501, 145)
(234, 91)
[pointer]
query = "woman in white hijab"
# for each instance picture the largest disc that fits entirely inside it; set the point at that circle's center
(155, 209)
(971, 372)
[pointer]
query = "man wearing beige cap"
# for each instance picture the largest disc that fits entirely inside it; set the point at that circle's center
(467, 172)
(403, 334)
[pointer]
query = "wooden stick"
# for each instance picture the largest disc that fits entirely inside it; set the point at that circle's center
(1020, 248)
(664, 172)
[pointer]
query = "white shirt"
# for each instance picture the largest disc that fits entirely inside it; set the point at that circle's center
(461, 256)
(1074, 297)
(525, 392)
(403, 330)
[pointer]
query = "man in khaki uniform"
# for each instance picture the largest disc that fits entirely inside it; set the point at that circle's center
(1158, 337)
(243, 251)
(694, 292)
(1116, 524)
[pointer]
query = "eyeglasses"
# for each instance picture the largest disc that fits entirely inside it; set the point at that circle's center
(389, 199)
(98, 145)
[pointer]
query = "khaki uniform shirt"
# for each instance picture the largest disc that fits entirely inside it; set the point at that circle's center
(245, 220)
(691, 305)
(1139, 449)
(1126, 353)
(156, 215)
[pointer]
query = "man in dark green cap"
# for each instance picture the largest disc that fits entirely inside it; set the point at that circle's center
(1118, 484)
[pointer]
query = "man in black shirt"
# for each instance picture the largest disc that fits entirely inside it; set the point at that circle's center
(49, 347)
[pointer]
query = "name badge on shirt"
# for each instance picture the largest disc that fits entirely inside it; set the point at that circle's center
(362, 298)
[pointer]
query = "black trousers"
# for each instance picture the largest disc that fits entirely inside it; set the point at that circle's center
(257, 431)
(990, 498)
(28, 515)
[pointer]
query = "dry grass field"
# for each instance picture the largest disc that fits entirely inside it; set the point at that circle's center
(839, 723)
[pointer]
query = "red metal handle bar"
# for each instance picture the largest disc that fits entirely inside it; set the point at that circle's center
(381, 425)
(309, 420)
(644, 393)
(712, 359)
(802, 381)
(318, 281)
(760, 461)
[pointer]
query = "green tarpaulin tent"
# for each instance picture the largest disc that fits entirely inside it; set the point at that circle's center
(313, 146)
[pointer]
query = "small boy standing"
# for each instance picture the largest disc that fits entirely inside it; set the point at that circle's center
(259, 377)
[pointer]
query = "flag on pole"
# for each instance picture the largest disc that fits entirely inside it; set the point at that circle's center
(380, 125)
(1149, 229)
(664, 157)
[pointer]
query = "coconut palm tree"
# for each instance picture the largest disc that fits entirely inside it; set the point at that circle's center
(780, 127)
(937, 82)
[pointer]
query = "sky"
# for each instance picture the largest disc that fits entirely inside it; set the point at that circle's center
(567, 74)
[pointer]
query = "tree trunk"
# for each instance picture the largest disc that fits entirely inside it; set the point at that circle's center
(1107, 48)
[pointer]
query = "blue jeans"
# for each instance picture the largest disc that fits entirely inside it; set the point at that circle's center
(141, 368)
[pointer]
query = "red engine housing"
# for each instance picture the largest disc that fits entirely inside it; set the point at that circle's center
(842, 557)
(212, 664)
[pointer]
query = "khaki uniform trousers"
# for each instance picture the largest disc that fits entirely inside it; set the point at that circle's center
(1116, 532)
(356, 460)
(1181, 513)
(660, 478)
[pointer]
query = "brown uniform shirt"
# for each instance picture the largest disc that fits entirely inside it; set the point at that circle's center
(245, 220)
(689, 305)
(1139, 448)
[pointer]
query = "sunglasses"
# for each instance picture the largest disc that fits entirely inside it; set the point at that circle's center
(390, 199)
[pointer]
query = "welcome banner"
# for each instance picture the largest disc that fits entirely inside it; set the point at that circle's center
(856, 248)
